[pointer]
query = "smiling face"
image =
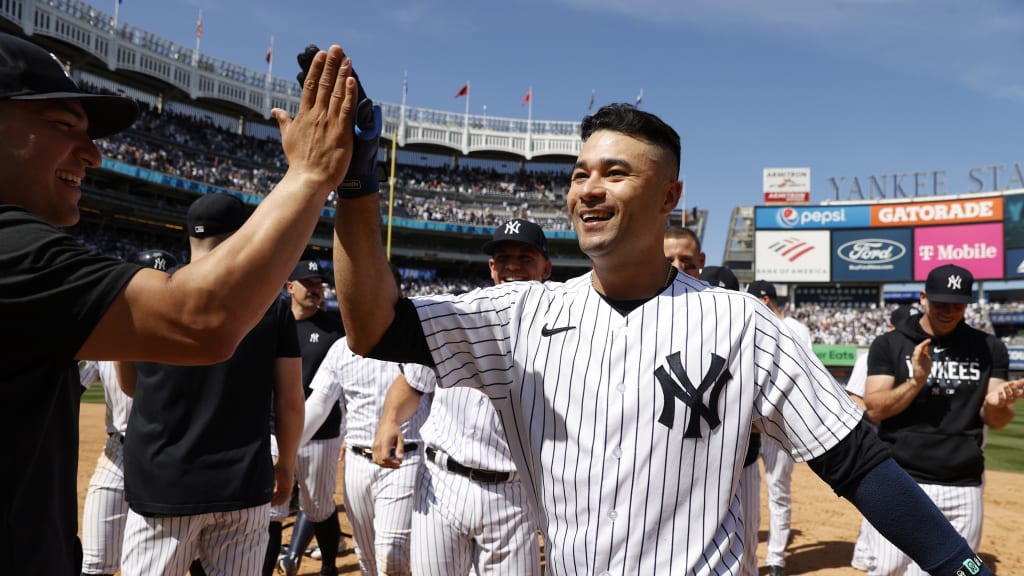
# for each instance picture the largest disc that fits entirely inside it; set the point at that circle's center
(622, 190)
(941, 318)
(514, 261)
(44, 151)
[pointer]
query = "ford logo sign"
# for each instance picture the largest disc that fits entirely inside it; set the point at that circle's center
(871, 250)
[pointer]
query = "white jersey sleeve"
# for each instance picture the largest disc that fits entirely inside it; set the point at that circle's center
(858, 376)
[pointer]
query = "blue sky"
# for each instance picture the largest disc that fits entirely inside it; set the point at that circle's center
(844, 87)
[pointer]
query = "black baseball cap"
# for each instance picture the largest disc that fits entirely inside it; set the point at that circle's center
(518, 230)
(900, 314)
(215, 213)
(761, 288)
(29, 72)
(156, 259)
(720, 276)
(951, 284)
(307, 269)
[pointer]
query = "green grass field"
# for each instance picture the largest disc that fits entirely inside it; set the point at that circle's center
(1004, 451)
(1005, 448)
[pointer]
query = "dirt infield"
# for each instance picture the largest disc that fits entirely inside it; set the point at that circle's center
(824, 526)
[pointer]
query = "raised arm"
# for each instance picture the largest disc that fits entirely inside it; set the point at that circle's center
(201, 313)
(366, 288)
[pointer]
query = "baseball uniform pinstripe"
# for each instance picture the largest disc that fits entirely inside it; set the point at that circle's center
(378, 501)
(778, 475)
(106, 509)
(462, 524)
(750, 500)
(596, 403)
(211, 535)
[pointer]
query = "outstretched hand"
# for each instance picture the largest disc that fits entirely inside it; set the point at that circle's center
(318, 142)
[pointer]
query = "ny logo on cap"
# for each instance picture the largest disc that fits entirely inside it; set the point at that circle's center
(313, 267)
(512, 227)
(953, 282)
(160, 263)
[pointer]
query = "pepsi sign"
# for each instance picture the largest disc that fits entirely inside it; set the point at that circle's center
(811, 217)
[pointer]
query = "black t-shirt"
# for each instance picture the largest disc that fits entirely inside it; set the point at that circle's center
(316, 335)
(53, 293)
(937, 439)
(198, 439)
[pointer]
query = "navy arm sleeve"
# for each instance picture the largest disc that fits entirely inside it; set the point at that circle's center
(404, 340)
(860, 469)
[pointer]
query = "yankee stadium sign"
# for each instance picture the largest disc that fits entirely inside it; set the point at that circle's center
(991, 178)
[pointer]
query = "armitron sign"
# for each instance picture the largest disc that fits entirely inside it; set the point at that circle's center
(787, 185)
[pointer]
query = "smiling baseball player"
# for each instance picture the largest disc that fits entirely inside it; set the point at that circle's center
(627, 394)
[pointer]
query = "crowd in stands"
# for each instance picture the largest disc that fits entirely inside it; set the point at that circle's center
(197, 149)
(194, 148)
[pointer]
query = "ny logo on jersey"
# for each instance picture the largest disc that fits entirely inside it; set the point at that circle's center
(314, 337)
(684, 391)
(512, 227)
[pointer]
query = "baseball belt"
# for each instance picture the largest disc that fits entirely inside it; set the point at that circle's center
(475, 474)
(368, 453)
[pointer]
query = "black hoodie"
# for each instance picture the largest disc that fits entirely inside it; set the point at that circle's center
(938, 438)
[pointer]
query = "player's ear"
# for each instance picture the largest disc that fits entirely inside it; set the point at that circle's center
(672, 191)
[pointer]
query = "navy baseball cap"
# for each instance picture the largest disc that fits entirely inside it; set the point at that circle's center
(761, 288)
(720, 276)
(156, 259)
(518, 230)
(308, 269)
(29, 72)
(951, 284)
(213, 214)
(900, 314)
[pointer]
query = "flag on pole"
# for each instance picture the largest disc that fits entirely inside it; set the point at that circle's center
(527, 98)
(270, 50)
(199, 25)
(464, 91)
(405, 84)
(593, 92)
(639, 98)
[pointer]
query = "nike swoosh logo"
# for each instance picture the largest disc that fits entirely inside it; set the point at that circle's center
(545, 331)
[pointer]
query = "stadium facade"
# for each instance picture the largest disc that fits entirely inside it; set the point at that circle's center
(170, 78)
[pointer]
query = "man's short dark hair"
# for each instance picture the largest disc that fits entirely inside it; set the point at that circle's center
(628, 119)
(673, 232)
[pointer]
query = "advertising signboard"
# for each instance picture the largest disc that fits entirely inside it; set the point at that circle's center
(977, 247)
(792, 256)
(811, 217)
(959, 211)
(787, 185)
(872, 255)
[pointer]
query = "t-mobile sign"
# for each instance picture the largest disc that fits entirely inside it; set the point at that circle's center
(979, 248)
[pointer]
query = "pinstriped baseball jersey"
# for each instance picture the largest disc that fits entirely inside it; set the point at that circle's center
(631, 429)
(462, 424)
(360, 385)
(119, 404)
